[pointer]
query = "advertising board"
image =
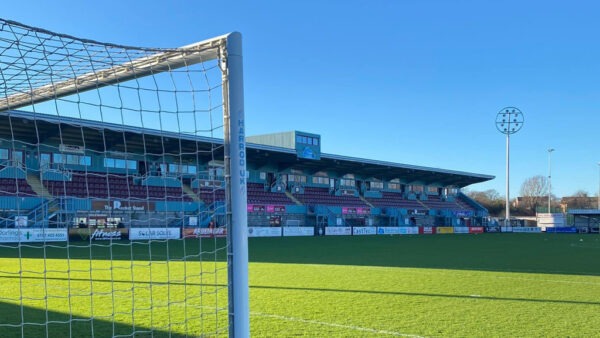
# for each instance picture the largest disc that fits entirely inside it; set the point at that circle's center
(98, 234)
(527, 229)
(461, 230)
(203, 232)
(408, 230)
(476, 230)
(33, 235)
(427, 230)
(154, 233)
(444, 230)
(298, 231)
(388, 230)
(264, 232)
(562, 230)
(338, 231)
(359, 231)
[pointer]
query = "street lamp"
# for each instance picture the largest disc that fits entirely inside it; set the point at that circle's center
(549, 178)
(509, 120)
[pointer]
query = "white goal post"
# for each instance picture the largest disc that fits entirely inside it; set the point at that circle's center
(74, 78)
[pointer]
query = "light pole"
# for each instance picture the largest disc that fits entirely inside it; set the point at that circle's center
(509, 120)
(549, 178)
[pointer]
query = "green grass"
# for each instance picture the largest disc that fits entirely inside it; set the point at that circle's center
(490, 285)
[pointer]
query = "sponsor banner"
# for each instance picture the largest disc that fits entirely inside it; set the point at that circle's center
(264, 232)
(98, 234)
(358, 231)
(506, 229)
(494, 228)
(388, 230)
(461, 230)
(33, 235)
(444, 230)
(562, 230)
(338, 231)
(408, 230)
(476, 230)
(117, 205)
(356, 211)
(526, 229)
(427, 230)
(266, 208)
(203, 232)
(154, 233)
(298, 231)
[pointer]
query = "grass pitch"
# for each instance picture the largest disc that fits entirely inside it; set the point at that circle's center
(489, 285)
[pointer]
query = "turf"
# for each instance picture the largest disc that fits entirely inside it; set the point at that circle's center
(489, 285)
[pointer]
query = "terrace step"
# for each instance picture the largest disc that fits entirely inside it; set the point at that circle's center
(294, 199)
(36, 185)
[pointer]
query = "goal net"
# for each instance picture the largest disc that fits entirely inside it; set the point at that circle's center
(122, 187)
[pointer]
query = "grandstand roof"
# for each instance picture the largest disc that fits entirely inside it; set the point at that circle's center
(53, 129)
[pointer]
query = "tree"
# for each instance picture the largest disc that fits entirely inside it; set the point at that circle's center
(533, 191)
(490, 199)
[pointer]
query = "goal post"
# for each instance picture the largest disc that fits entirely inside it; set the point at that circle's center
(129, 165)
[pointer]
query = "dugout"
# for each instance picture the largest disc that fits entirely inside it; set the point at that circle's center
(586, 219)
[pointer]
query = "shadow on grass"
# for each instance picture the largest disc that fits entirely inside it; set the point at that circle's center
(39, 323)
(535, 253)
(371, 292)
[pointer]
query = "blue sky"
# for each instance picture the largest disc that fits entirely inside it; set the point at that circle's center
(417, 82)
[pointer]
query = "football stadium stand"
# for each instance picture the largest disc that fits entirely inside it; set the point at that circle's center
(71, 172)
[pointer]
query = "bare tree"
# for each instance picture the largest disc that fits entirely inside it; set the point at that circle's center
(533, 191)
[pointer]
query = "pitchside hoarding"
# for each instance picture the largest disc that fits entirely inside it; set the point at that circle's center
(338, 231)
(264, 232)
(359, 231)
(203, 232)
(154, 233)
(98, 234)
(298, 231)
(33, 235)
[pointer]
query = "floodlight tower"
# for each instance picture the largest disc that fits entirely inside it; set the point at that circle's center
(550, 150)
(509, 120)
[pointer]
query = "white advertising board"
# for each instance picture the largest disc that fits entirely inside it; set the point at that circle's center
(298, 231)
(33, 235)
(359, 231)
(338, 231)
(526, 229)
(154, 233)
(264, 231)
(408, 230)
(388, 230)
(461, 230)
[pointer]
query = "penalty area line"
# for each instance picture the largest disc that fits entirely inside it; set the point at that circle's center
(342, 326)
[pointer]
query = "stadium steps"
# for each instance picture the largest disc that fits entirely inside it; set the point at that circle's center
(366, 202)
(294, 199)
(190, 192)
(36, 185)
(423, 204)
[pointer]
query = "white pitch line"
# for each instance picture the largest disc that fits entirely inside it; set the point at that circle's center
(351, 327)
(550, 280)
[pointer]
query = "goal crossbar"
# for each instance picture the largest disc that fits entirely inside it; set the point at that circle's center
(202, 51)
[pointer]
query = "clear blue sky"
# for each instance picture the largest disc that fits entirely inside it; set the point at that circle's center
(417, 82)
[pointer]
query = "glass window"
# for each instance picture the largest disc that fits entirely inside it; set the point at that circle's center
(17, 156)
(3, 154)
(298, 139)
(44, 159)
(119, 163)
(131, 164)
(109, 162)
(57, 158)
(316, 141)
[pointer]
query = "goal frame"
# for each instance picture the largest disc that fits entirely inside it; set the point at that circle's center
(227, 49)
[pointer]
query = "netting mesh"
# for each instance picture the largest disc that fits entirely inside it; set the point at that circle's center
(112, 201)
